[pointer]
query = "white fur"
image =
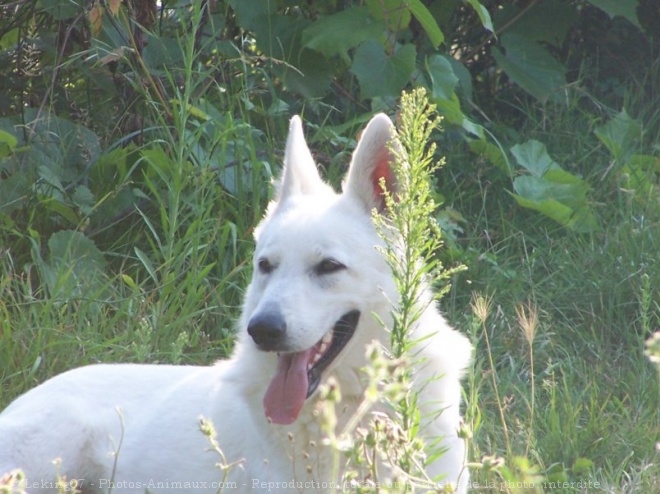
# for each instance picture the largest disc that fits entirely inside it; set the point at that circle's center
(137, 425)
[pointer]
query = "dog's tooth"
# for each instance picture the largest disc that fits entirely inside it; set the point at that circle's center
(327, 338)
(323, 347)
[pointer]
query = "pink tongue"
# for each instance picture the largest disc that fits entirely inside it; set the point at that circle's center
(287, 391)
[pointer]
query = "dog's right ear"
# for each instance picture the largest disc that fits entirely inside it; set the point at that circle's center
(300, 175)
(371, 166)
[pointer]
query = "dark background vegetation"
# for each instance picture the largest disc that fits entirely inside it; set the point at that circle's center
(138, 139)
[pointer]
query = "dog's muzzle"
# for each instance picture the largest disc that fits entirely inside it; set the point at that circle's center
(298, 373)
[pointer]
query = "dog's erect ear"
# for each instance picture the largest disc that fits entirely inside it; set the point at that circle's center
(372, 162)
(300, 175)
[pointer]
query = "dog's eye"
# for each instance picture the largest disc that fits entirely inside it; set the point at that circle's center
(264, 266)
(328, 266)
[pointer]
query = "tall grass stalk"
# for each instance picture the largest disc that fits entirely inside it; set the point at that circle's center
(481, 307)
(528, 321)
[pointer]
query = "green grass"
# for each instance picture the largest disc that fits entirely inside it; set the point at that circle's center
(595, 392)
(587, 409)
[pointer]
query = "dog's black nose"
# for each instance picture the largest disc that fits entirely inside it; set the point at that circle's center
(268, 330)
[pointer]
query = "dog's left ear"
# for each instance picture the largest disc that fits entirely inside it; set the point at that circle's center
(371, 163)
(300, 175)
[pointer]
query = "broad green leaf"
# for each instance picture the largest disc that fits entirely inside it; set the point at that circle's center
(251, 15)
(337, 33)
(62, 209)
(539, 189)
(483, 14)
(394, 13)
(580, 221)
(450, 109)
(75, 267)
(426, 20)
(74, 248)
(549, 189)
(532, 23)
(551, 208)
(613, 8)
(619, 134)
(10, 38)
(14, 191)
(464, 78)
(441, 73)
(84, 199)
(162, 52)
(533, 156)
(7, 143)
(473, 128)
(51, 176)
(379, 73)
(560, 176)
(61, 9)
(62, 144)
(311, 76)
(532, 67)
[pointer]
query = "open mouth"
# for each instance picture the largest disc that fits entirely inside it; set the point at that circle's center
(298, 374)
(329, 347)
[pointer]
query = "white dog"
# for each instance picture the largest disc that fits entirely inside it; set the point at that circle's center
(320, 284)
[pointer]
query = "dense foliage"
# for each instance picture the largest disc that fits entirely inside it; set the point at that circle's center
(138, 139)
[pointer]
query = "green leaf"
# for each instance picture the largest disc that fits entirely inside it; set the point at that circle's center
(619, 135)
(62, 209)
(394, 13)
(14, 191)
(311, 76)
(381, 74)
(533, 22)
(581, 220)
(613, 8)
(532, 67)
(61, 9)
(84, 199)
(551, 208)
(336, 34)
(533, 156)
(7, 143)
(428, 23)
(10, 39)
(451, 110)
(582, 465)
(538, 189)
(252, 15)
(483, 14)
(148, 265)
(549, 189)
(441, 74)
(464, 78)
(51, 176)
(75, 267)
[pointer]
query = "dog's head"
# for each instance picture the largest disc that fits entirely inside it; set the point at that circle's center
(318, 274)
